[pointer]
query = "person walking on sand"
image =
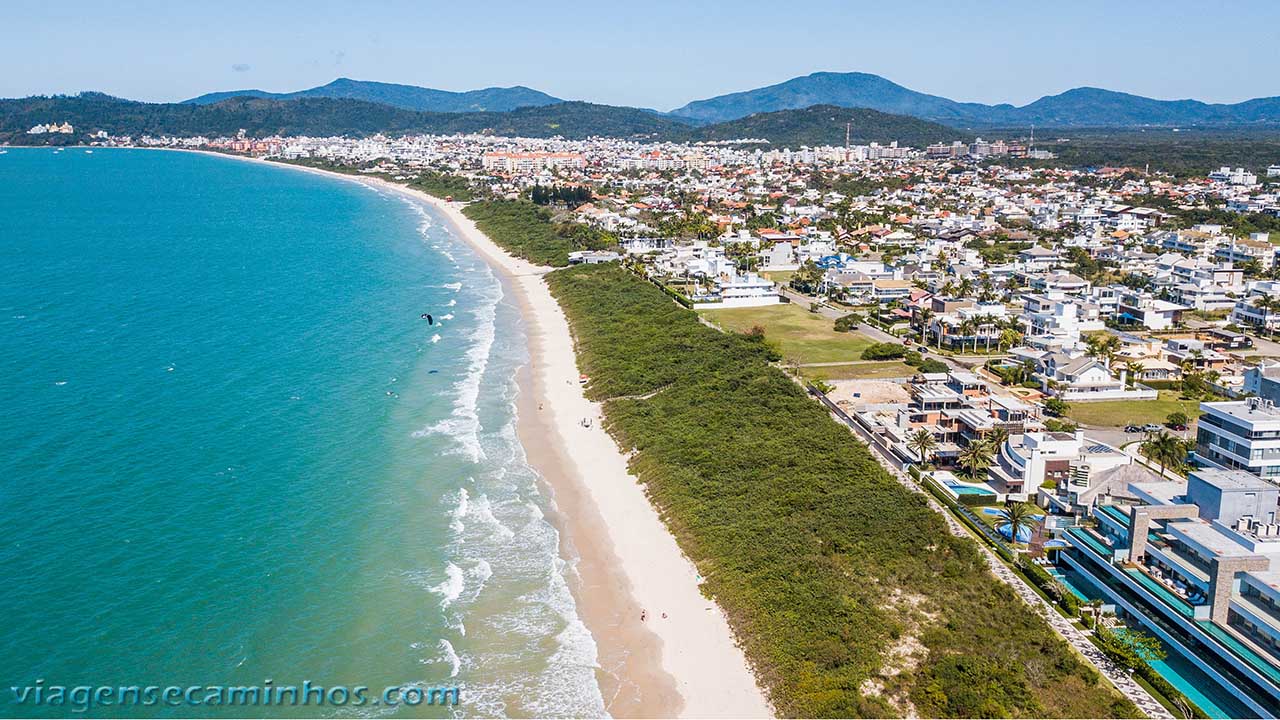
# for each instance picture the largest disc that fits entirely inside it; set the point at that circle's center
(643, 615)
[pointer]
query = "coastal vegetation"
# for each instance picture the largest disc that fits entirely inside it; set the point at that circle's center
(847, 591)
(431, 182)
(527, 231)
(443, 185)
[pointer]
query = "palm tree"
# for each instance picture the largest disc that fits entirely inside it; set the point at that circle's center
(1135, 370)
(1019, 517)
(996, 438)
(969, 326)
(1166, 450)
(921, 441)
(975, 459)
(1267, 305)
(925, 315)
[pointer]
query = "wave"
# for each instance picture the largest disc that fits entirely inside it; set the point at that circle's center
(450, 656)
(483, 513)
(452, 587)
(459, 512)
(463, 425)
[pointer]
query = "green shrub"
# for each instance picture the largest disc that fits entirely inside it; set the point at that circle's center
(848, 323)
(933, 366)
(883, 351)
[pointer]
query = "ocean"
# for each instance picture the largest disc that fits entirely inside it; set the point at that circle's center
(235, 454)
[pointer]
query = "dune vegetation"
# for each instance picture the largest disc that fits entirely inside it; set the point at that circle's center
(847, 592)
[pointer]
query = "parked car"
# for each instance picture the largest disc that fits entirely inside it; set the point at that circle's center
(1152, 428)
(1132, 428)
(1181, 428)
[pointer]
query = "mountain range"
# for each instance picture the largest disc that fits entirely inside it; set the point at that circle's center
(408, 97)
(810, 110)
(1080, 107)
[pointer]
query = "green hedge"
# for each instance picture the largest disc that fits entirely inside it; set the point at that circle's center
(1051, 586)
(802, 538)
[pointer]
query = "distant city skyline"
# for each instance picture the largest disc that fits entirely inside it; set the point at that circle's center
(661, 54)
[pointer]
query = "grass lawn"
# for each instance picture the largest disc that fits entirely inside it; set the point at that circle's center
(1119, 413)
(782, 277)
(860, 371)
(800, 335)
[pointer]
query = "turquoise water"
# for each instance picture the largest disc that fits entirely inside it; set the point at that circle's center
(968, 490)
(235, 452)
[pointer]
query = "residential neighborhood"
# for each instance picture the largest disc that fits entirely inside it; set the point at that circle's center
(1079, 365)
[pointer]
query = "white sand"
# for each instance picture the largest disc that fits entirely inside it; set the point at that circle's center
(711, 673)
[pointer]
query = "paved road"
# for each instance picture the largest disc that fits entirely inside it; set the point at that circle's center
(1118, 675)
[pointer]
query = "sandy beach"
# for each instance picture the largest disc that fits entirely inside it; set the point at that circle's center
(681, 659)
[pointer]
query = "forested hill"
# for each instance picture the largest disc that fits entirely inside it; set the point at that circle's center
(319, 116)
(825, 125)
(407, 97)
(261, 117)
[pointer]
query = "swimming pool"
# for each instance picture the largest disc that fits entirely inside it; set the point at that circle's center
(1215, 700)
(968, 490)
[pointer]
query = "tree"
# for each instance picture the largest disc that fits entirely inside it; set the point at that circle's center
(1177, 419)
(996, 438)
(975, 459)
(922, 443)
(1056, 407)
(1018, 515)
(1166, 450)
(1102, 346)
(924, 315)
(1135, 370)
(1008, 338)
(807, 278)
(968, 327)
(1131, 648)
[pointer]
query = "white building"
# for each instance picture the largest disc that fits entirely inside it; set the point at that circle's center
(1149, 312)
(734, 290)
(1241, 435)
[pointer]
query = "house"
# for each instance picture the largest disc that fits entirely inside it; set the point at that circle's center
(885, 291)
(1148, 311)
(590, 257)
(1023, 463)
(1038, 259)
(779, 256)
(1082, 379)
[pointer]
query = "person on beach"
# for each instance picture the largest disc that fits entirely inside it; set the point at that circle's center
(643, 614)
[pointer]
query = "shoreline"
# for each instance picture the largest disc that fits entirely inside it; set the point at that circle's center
(682, 660)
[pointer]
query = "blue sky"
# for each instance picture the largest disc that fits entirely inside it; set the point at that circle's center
(653, 53)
